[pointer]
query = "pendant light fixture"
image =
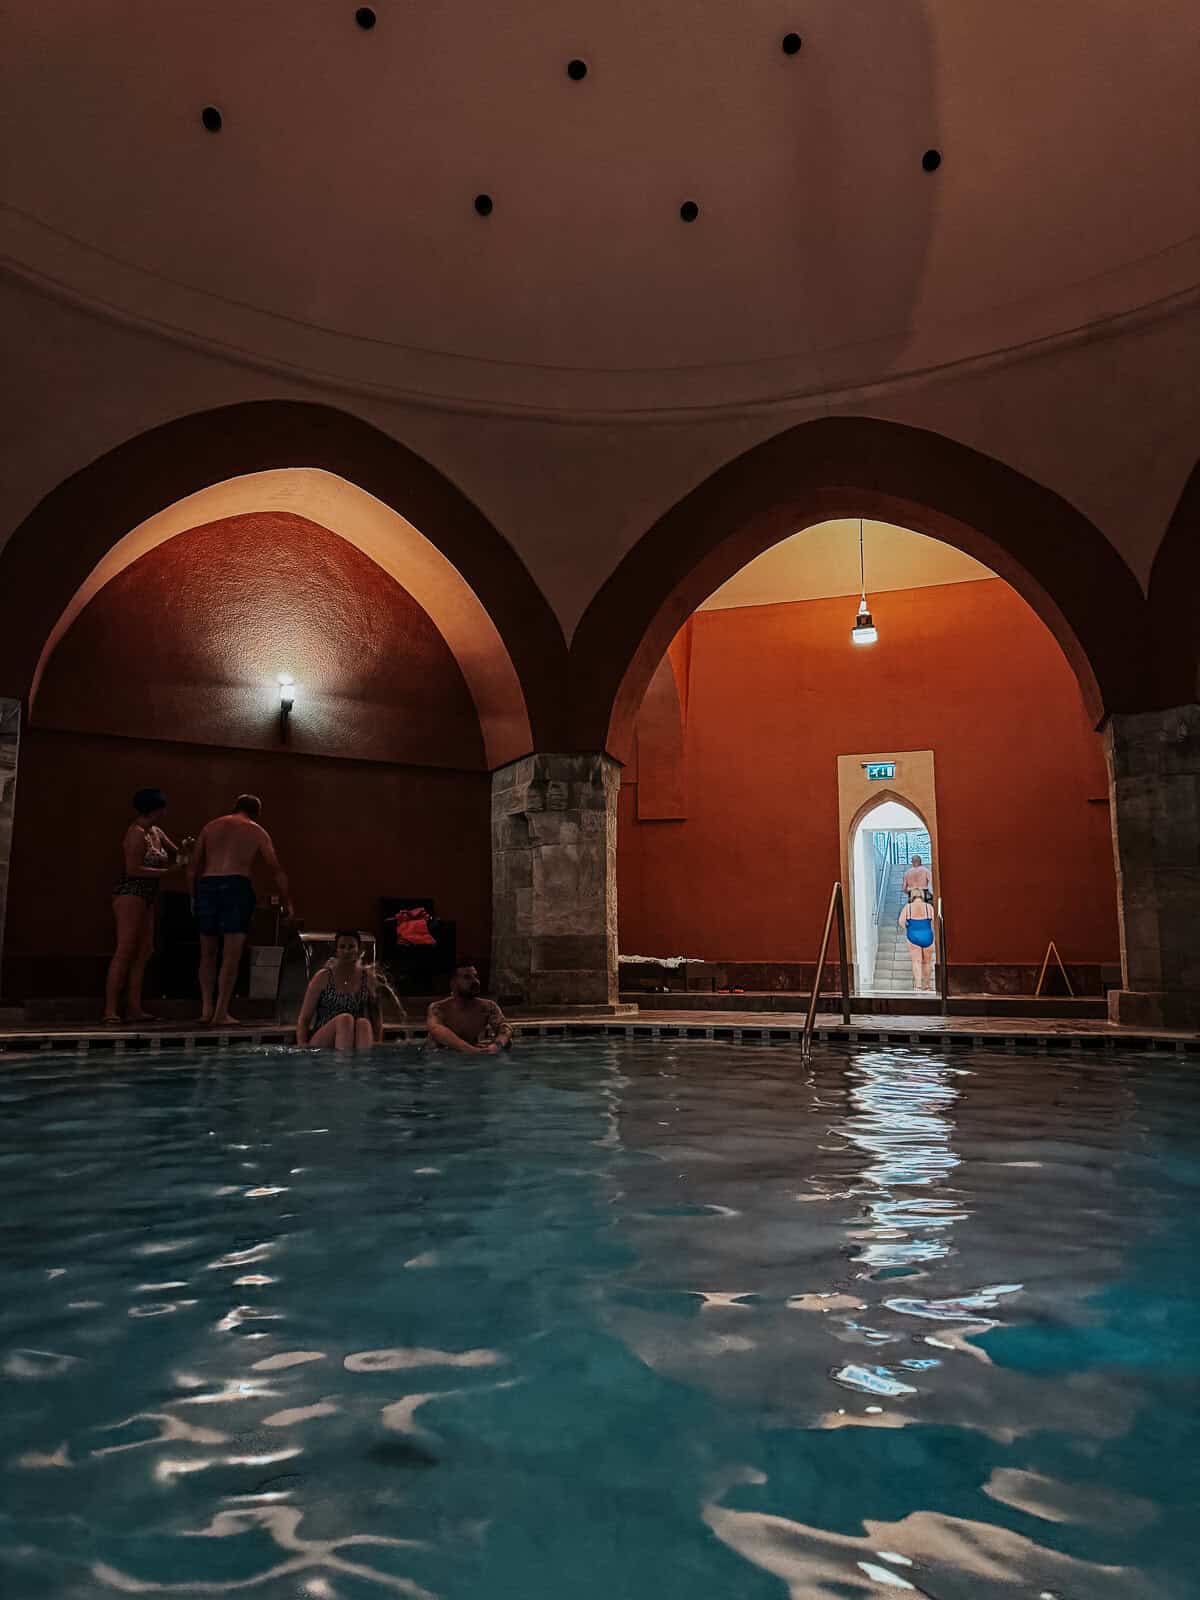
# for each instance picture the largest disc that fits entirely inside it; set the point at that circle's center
(864, 630)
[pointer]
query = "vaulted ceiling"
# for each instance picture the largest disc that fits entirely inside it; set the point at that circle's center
(333, 221)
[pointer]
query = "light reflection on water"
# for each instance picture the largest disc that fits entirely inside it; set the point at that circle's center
(903, 1123)
(599, 1321)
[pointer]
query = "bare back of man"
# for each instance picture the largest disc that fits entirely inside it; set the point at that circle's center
(223, 898)
(232, 844)
(917, 878)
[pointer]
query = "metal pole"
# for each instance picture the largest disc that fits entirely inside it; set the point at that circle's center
(840, 903)
(943, 968)
(811, 1016)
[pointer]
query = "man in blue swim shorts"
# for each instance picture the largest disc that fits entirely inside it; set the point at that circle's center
(223, 898)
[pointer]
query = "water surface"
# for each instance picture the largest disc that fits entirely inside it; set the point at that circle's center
(600, 1320)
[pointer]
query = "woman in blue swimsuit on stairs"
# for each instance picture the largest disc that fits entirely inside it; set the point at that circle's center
(916, 924)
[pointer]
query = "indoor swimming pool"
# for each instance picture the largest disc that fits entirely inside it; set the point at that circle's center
(606, 1320)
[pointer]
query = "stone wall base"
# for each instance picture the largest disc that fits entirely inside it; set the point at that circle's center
(618, 1009)
(1088, 979)
(1136, 1009)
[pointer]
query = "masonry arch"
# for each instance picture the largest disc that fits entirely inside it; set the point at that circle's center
(337, 471)
(1047, 550)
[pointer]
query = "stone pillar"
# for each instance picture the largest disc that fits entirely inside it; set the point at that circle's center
(1154, 785)
(10, 734)
(554, 881)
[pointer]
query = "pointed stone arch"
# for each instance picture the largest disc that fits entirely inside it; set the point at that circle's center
(1055, 558)
(387, 499)
(882, 798)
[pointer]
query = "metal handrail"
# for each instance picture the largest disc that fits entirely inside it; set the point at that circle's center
(888, 864)
(837, 908)
(943, 965)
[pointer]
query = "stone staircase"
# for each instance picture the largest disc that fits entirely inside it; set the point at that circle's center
(893, 968)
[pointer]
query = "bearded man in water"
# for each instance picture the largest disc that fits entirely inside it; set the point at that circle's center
(223, 897)
(466, 1023)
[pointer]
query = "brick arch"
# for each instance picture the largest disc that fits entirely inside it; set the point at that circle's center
(1054, 557)
(48, 560)
(1174, 614)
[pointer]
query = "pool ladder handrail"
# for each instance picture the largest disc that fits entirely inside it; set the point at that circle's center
(943, 966)
(837, 909)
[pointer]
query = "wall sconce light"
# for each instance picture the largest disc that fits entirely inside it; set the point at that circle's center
(287, 699)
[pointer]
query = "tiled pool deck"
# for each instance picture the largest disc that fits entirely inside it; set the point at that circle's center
(752, 1027)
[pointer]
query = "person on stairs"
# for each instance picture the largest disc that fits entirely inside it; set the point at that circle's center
(916, 924)
(917, 880)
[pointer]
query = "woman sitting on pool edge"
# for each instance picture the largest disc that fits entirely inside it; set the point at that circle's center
(341, 1008)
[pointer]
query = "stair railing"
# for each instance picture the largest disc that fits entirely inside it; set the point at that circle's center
(884, 873)
(943, 965)
(837, 911)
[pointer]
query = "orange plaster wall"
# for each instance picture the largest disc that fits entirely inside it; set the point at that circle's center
(167, 678)
(187, 642)
(658, 749)
(776, 693)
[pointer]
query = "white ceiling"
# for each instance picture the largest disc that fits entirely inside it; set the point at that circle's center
(823, 561)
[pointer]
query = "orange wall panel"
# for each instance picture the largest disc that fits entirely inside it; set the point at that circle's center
(776, 693)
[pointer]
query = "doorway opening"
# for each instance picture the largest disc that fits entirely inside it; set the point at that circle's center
(886, 838)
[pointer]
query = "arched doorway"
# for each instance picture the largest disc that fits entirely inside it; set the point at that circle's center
(883, 842)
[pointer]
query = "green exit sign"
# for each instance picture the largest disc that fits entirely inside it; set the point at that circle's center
(877, 770)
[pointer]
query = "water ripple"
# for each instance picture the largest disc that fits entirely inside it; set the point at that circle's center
(938, 1314)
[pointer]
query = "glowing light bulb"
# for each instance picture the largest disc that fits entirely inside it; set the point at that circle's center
(864, 630)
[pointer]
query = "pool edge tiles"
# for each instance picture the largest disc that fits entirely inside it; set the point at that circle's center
(934, 1033)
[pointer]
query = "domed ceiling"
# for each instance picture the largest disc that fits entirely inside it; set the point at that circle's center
(715, 205)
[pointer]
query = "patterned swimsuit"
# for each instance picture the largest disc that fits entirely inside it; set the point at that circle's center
(334, 1002)
(155, 856)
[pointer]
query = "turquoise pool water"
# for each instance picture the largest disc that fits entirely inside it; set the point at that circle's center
(602, 1320)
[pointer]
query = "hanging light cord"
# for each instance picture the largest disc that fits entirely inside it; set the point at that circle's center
(862, 569)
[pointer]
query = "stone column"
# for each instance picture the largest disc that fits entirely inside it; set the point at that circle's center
(554, 881)
(1154, 784)
(10, 733)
